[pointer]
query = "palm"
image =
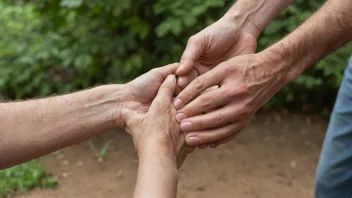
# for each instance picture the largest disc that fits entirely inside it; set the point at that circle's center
(215, 44)
(143, 89)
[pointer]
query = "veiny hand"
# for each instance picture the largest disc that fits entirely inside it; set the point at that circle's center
(140, 92)
(215, 44)
(246, 83)
(158, 127)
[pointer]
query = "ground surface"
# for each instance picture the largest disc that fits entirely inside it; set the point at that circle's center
(275, 157)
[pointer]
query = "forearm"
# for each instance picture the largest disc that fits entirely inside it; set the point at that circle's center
(157, 174)
(325, 31)
(255, 15)
(34, 128)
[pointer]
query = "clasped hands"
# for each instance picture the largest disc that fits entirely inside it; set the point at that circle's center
(220, 56)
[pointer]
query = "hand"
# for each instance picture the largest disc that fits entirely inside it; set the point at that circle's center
(140, 92)
(246, 83)
(215, 44)
(158, 127)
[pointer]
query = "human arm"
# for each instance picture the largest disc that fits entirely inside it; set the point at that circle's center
(236, 33)
(249, 81)
(30, 129)
(160, 144)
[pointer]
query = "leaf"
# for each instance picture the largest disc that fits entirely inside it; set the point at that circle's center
(71, 3)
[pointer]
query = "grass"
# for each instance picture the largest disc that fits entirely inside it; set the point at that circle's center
(24, 177)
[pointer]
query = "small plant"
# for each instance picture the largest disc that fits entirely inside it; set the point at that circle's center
(25, 177)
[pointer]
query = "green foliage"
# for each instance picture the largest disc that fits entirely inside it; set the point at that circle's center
(58, 46)
(24, 177)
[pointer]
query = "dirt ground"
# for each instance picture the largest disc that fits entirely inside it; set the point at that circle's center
(275, 156)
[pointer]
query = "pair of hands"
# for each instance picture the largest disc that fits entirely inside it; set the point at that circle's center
(216, 56)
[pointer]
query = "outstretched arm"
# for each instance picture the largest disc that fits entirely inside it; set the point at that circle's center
(235, 34)
(30, 129)
(325, 31)
(33, 128)
(249, 81)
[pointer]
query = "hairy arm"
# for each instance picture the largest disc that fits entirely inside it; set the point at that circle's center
(157, 173)
(31, 129)
(255, 15)
(326, 30)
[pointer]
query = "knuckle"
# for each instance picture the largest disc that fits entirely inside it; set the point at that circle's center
(228, 132)
(199, 83)
(245, 112)
(227, 67)
(219, 119)
(154, 70)
(206, 101)
(192, 40)
(239, 91)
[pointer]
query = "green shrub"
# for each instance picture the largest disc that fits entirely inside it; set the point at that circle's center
(57, 46)
(24, 177)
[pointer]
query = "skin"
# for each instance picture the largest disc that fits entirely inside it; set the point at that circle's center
(159, 142)
(30, 129)
(247, 82)
(235, 34)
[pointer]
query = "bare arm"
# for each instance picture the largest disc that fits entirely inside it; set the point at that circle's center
(31, 129)
(249, 81)
(325, 31)
(235, 34)
(34, 128)
(255, 15)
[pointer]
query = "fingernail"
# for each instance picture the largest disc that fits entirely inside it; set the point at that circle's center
(178, 104)
(171, 78)
(180, 117)
(186, 126)
(193, 141)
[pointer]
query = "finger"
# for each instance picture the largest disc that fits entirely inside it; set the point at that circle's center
(166, 91)
(194, 49)
(212, 145)
(213, 88)
(163, 72)
(214, 119)
(197, 86)
(203, 146)
(228, 139)
(183, 81)
(201, 137)
(204, 103)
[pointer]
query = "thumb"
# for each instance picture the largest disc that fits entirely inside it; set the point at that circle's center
(131, 119)
(166, 91)
(193, 51)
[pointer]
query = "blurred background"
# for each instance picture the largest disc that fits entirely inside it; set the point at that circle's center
(59, 46)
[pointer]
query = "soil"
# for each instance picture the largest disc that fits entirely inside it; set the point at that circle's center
(274, 157)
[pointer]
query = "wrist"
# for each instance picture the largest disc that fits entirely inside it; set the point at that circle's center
(109, 100)
(278, 63)
(156, 145)
(240, 19)
(155, 150)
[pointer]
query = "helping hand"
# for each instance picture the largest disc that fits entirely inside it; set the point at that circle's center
(158, 126)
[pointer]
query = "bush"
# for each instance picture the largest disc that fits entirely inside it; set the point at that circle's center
(57, 46)
(24, 177)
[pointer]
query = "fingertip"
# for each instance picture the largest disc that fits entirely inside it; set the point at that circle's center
(185, 66)
(192, 141)
(183, 81)
(178, 104)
